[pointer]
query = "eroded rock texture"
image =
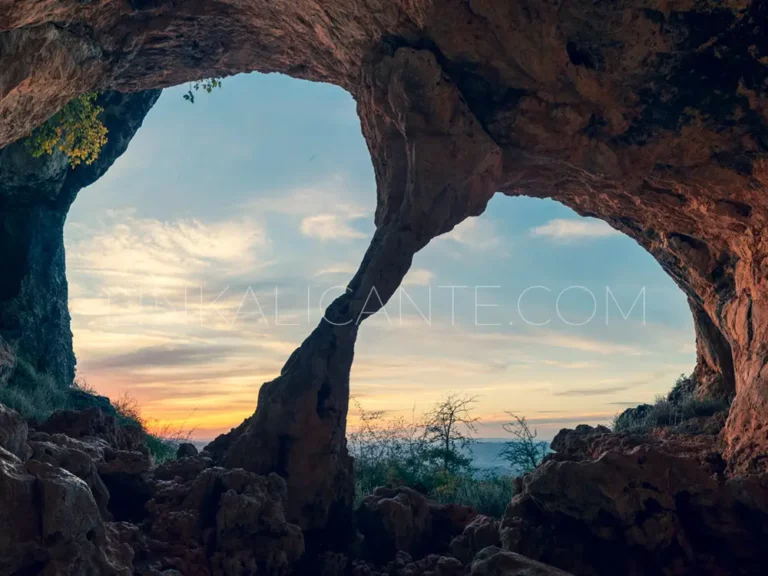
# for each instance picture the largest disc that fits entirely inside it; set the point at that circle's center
(640, 511)
(35, 196)
(649, 114)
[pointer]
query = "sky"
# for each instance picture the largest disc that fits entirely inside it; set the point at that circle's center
(207, 253)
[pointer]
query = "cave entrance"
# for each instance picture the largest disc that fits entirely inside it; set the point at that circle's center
(208, 252)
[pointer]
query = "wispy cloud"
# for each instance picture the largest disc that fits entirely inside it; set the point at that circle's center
(336, 269)
(166, 253)
(331, 227)
(568, 230)
(418, 277)
(475, 234)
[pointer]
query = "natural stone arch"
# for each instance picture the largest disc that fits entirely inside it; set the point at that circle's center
(650, 115)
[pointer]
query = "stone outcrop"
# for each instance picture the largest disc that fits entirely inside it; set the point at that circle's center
(13, 433)
(643, 513)
(35, 196)
(649, 115)
(494, 562)
(51, 524)
(7, 362)
(393, 520)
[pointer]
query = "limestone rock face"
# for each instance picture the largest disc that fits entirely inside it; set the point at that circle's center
(13, 433)
(479, 534)
(51, 525)
(225, 522)
(35, 196)
(640, 513)
(651, 115)
(495, 562)
(394, 520)
(7, 362)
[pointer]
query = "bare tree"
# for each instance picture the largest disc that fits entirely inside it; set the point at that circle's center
(448, 428)
(524, 453)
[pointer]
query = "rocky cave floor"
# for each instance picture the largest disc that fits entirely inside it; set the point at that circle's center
(81, 495)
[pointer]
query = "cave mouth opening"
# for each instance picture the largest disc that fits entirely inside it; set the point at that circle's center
(190, 287)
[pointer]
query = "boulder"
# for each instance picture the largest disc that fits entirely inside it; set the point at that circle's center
(76, 457)
(644, 512)
(13, 433)
(186, 450)
(704, 446)
(495, 562)
(225, 522)
(394, 520)
(51, 524)
(94, 423)
(481, 533)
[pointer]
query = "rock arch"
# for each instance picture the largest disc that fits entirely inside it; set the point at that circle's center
(652, 116)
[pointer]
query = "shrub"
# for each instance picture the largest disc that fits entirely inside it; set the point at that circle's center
(679, 406)
(429, 454)
(524, 453)
(33, 395)
(76, 130)
(162, 439)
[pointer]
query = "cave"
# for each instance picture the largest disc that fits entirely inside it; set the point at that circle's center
(648, 115)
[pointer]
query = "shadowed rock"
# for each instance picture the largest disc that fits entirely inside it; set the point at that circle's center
(35, 196)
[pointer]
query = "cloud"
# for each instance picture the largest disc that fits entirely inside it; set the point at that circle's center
(310, 204)
(563, 340)
(571, 365)
(475, 234)
(331, 227)
(418, 277)
(592, 391)
(563, 230)
(155, 253)
(336, 269)
(166, 356)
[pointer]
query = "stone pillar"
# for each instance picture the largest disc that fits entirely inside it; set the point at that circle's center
(35, 196)
(434, 166)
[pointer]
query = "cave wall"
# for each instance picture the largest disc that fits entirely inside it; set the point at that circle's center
(35, 196)
(649, 114)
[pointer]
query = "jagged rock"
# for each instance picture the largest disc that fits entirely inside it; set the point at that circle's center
(494, 562)
(125, 474)
(186, 450)
(75, 457)
(481, 533)
(225, 522)
(394, 520)
(13, 433)
(97, 424)
(7, 362)
(50, 524)
(641, 513)
(587, 443)
(184, 469)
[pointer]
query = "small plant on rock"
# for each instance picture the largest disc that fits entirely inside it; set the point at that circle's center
(76, 131)
(206, 85)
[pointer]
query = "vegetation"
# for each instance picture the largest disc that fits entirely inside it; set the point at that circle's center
(206, 84)
(162, 439)
(431, 454)
(33, 395)
(524, 453)
(448, 431)
(36, 396)
(76, 130)
(673, 410)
